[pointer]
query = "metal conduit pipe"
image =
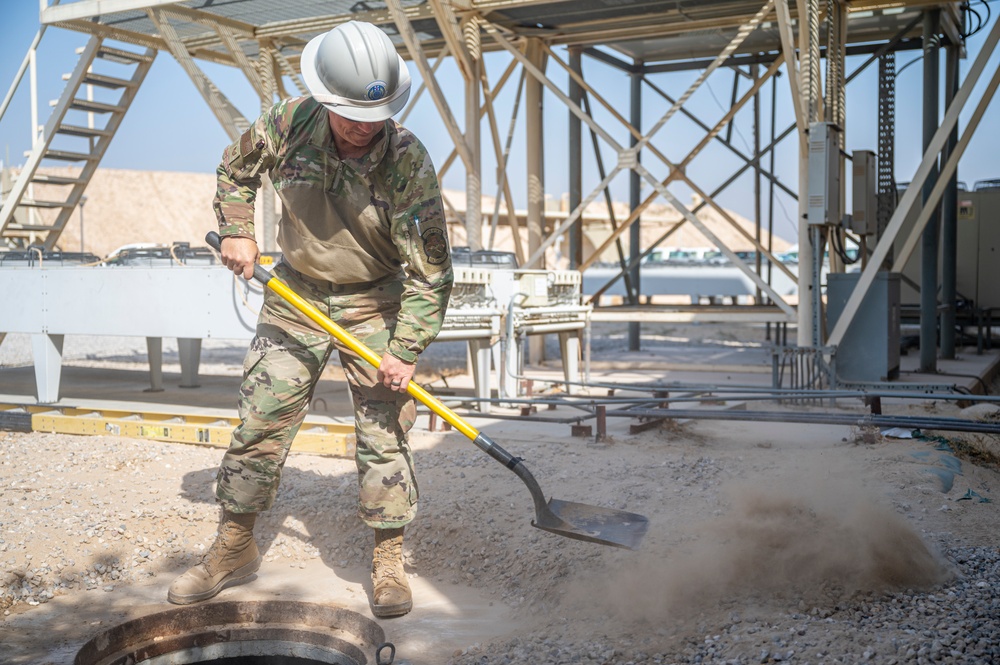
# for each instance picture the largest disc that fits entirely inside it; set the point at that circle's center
(916, 422)
(569, 420)
(578, 401)
(583, 406)
(846, 419)
(780, 392)
(584, 403)
(551, 327)
(509, 358)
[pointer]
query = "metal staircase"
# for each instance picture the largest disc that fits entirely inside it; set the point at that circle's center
(39, 204)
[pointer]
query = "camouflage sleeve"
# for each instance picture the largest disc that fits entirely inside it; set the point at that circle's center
(420, 235)
(238, 175)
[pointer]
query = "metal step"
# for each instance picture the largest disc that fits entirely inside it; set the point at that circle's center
(94, 107)
(85, 132)
(32, 203)
(121, 56)
(67, 156)
(110, 82)
(46, 179)
(124, 87)
(26, 228)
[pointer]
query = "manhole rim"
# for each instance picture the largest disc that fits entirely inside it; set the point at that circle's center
(326, 626)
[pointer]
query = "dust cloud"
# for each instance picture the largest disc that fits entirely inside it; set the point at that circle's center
(810, 546)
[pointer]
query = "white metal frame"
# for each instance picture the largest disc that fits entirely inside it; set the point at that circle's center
(468, 27)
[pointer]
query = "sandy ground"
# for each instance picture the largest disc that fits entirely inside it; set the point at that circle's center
(767, 542)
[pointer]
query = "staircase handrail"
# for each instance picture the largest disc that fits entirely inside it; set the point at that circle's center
(23, 68)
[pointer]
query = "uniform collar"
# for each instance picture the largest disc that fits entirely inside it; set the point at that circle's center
(321, 137)
(373, 158)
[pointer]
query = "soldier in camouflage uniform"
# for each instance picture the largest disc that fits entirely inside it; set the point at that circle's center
(363, 239)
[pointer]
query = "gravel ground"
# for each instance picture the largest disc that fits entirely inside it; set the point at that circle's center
(768, 543)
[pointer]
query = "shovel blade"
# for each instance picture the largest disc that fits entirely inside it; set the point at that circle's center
(594, 524)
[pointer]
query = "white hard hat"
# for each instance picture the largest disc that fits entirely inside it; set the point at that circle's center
(354, 71)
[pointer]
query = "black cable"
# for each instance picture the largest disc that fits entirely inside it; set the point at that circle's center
(986, 390)
(838, 247)
(962, 389)
(981, 22)
(916, 59)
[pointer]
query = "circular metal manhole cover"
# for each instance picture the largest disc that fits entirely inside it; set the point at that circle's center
(275, 632)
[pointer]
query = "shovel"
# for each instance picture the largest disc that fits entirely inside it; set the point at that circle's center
(594, 524)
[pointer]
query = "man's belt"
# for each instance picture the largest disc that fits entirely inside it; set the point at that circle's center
(334, 287)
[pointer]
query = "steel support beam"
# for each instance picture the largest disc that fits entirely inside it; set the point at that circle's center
(473, 112)
(93, 8)
(502, 157)
(409, 36)
(242, 61)
(677, 172)
(836, 36)
(748, 161)
(757, 170)
(415, 96)
(575, 158)
(454, 37)
(626, 156)
(535, 172)
(930, 245)
(289, 71)
(535, 168)
(629, 288)
(788, 47)
(268, 195)
(949, 216)
(909, 197)
(634, 199)
(229, 117)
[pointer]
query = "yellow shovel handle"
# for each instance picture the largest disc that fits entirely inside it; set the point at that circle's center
(351, 342)
(355, 345)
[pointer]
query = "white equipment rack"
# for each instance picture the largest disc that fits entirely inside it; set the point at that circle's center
(57, 298)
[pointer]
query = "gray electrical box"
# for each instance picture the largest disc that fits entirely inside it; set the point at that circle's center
(824, 173)
(869, 350)
(864, 193)
(978, 235)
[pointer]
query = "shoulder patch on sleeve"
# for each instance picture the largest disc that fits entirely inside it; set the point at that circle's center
(246, 144)
(242, 159)
(435, 245)
(247, 147)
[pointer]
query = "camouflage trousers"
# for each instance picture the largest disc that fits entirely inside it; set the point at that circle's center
(282, 366)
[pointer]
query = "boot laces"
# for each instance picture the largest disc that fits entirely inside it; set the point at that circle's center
(387, 573)
(221, 544)
(388, 561)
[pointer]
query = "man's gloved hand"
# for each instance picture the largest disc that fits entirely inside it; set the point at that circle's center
(240, 254)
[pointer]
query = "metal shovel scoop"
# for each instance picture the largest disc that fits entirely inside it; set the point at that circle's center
(606, 526)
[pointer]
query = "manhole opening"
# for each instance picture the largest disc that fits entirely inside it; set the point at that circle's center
(243, 633)
(265, 660)
(271, 659)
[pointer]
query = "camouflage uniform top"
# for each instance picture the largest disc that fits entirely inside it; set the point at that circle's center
(346, 221)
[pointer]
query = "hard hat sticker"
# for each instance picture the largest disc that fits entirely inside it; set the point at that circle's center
(375, 91)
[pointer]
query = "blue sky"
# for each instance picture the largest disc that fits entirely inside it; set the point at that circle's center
(170, 128)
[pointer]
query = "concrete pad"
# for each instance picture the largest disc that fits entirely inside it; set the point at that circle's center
(445, 619)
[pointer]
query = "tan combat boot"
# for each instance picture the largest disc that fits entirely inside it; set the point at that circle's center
(232, 558)
(391, 592)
